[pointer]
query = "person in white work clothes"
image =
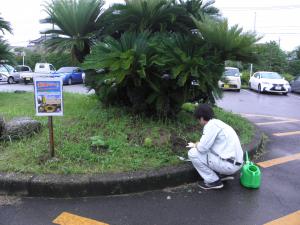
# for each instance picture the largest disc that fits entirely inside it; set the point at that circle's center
(218, 154)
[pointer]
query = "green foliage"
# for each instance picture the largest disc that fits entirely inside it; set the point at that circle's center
(122, 131)
(98, 141)
(60, 60)
(5, 53)
(271, 58)
(157, 73)
(148, 142)
(5, 25)
(198, 9)
(245, 77)
(288, 76)
(76, 22)
(189, 107)
(56, 59)
(155, 16)
(294, 61)
(230, 42)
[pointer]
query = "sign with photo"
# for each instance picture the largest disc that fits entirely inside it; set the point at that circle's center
(48, 96)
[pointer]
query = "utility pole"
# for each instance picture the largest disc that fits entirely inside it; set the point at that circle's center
(254, 29)
(254, 24)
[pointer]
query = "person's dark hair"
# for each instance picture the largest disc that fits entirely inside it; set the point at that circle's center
(204, 111)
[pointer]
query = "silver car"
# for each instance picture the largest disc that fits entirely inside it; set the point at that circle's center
(295, 85)
(8, 74)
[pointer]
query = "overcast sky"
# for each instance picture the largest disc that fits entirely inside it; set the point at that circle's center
(276, 20)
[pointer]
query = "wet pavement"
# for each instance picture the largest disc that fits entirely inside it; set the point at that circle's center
(76, 88)
(278, 195)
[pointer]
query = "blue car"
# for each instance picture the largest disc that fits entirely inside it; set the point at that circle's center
(70, 75)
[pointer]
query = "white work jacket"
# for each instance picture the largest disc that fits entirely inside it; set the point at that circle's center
(220, 139)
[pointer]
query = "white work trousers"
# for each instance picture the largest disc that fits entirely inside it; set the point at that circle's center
(207, 164)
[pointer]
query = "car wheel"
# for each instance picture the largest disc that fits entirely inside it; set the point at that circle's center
(259, 89)
(70, 81)
(284, 93)
(10, 80)
(238, 90)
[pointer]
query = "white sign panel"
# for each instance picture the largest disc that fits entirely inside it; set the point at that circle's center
(48, 96)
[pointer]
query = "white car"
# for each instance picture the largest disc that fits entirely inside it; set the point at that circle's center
(232, 79)
(264, 81)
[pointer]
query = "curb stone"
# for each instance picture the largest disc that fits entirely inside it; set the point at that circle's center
(52, 185)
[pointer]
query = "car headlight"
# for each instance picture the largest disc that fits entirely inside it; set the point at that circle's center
(267, 83)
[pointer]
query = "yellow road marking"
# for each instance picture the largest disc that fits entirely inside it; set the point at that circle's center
(276, 122)
(291, 219)
(71, 219)
(277, 161)
(286, 133)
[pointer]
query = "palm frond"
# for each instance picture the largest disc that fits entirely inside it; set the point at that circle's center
(5, 53)
(232, 42)
(5, 25)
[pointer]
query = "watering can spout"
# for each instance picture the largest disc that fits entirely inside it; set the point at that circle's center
(250, 174)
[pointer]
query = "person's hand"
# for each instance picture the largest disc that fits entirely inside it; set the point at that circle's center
(191, 145)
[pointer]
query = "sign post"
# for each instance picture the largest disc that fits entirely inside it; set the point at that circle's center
(48, 97)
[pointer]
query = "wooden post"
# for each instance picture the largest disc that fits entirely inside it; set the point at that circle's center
(51, 136)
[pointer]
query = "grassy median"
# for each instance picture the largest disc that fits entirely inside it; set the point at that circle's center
(122, 141)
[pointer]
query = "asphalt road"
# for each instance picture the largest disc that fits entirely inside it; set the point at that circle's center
(278, 195)
(76, 88)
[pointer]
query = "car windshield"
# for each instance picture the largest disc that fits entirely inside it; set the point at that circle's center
(232, 72)
(9, 68)
(21, 68)
(270, 75)
(66, 70)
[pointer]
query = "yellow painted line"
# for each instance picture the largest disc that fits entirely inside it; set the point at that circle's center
(291, 219)
(276, 122)
(286, 133)
(72, 219)
(278, 161)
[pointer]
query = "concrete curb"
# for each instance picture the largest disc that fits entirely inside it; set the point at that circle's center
(51, 185)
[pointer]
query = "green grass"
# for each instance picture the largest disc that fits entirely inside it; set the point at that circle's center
(122, 132)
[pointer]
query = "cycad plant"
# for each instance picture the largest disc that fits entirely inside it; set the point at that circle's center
(5, 25)
(74, 23)
(5, 53)
(126, 67)
(157, 58)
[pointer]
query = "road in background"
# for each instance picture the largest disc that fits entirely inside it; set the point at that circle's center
(77, 88)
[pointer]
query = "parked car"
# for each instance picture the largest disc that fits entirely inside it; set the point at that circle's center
(22, 68)
(265, 81)
(8, 74)
(40, 70)
(231, 79)
(70, 75)
(295, 84)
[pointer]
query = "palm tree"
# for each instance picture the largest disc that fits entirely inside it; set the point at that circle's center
(145, 15)
(4, 25)
(198, 9)
(74, 23)
(156, 16)
(5, 54)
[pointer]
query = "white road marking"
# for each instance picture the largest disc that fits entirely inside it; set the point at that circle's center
(276, 122)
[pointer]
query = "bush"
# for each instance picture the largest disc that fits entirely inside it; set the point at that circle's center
(245, 77)
(288, 76)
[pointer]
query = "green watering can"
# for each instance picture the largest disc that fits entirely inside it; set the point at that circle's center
(250, 174)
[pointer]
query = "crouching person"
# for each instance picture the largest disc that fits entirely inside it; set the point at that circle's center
(218, 154)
